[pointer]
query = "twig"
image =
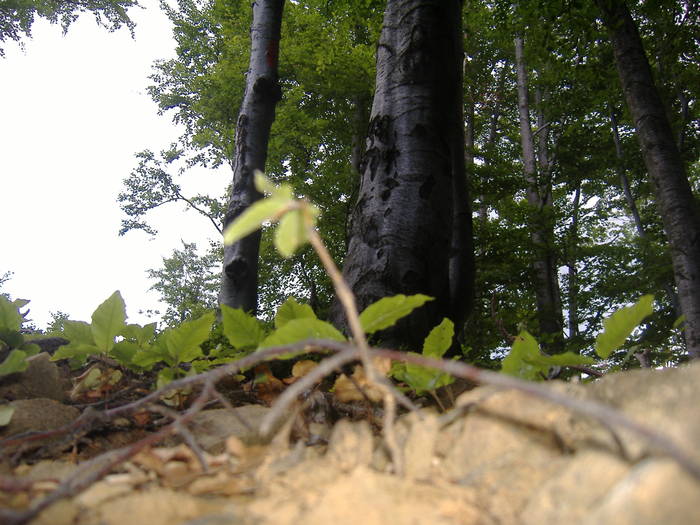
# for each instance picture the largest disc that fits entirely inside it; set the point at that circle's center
(347, 299)
(86, 474)
(608, 416)
(290, 394)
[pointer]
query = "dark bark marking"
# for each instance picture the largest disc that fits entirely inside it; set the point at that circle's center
(237, 270)
(427, 188)
(411, 280)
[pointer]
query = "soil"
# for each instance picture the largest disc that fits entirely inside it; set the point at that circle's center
(496, 457)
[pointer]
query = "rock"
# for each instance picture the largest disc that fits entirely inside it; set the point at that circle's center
(212, 427)
(42, 378)
(655, 491)
(38, 415)
(419, 448)
(351, 445)
(570, 494)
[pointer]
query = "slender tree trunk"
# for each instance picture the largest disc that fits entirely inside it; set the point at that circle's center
(539, 196)
(404, 237)
(239, 284)
(489, 152)
(622, 174)
(629, 198)
(572, 259)
(674, 196)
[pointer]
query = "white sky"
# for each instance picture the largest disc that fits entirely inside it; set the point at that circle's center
(73, 112)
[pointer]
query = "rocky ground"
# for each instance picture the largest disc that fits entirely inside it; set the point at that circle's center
(497, 457)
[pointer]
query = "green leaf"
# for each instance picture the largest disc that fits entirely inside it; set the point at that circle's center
(265, 185)
(108, 322)
(385, 312)
(165, 376)
(300, 329)
(618, 327)
(290, 233)
(12, 338)
(291, 309)
(76, 352)
(156, 353)
(6, 412)
(420, 378)
(15, 362)
(124, 351)
(10, 318)
(679, 322)
(183, 341)
(527, 362)
(242, 330)
(78, 332)
(439, 339)
(140, 334)
(251, 219)
(30, 349)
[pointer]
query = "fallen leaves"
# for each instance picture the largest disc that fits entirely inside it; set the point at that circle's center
(358, 387)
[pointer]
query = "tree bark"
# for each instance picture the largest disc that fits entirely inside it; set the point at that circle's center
(539, 196)
(411, 226)
(674, 196)
(239, 283)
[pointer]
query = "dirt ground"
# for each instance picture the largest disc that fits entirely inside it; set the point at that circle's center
(497, 457)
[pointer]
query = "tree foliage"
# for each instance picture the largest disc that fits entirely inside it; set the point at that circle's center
(18, 16)
(327, 74)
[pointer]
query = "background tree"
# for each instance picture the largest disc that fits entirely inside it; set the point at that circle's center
(18, 16)
(187, 282)
(239, 282)
(677, 205)
(327, 74)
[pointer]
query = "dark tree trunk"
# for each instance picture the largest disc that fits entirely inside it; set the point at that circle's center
(411, 226)
(239, 284)
(539, 196)
(674, 196)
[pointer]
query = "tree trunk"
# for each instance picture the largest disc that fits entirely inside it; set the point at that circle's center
(674, 196)
(625, 183)
(239, 284)
(539, 196)
(411, 226)
(572, 259)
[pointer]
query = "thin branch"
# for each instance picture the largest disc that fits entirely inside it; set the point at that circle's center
(88, 474)
(196, 208)
(603, 413)
(347, 299)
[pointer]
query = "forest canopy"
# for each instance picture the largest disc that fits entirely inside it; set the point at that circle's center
(560, 238)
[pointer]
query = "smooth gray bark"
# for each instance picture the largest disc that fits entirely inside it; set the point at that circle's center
(539, 196)
(411, 226)
(239, 283)
(675, 200)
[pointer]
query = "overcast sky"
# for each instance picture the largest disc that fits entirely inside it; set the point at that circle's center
(74, 112)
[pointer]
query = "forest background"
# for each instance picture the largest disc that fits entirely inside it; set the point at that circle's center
(605, 239)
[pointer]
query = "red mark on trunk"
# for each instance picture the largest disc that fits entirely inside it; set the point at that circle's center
(272, 53)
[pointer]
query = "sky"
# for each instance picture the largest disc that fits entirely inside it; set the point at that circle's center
(73, 112)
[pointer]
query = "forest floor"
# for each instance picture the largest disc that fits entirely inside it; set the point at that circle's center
(496, 457)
